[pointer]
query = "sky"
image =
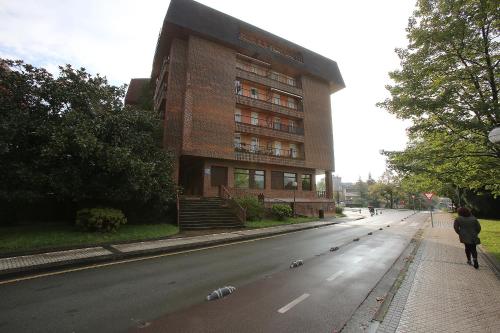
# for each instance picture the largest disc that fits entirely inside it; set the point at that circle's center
(117, 38)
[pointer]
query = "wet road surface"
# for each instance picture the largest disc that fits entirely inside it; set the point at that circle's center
(167, 293)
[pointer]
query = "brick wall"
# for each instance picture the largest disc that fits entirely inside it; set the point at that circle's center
(317, 124)
(210, 100)
(176, 86)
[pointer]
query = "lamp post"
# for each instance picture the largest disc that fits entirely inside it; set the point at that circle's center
(294, 185)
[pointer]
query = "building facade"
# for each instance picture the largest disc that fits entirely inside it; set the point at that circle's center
(242, 108)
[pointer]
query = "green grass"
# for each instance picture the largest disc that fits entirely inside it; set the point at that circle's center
(273, 223)
(490, 236)
(44, 236)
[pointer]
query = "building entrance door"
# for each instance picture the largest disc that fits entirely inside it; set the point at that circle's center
(218, 176)
(191, 176)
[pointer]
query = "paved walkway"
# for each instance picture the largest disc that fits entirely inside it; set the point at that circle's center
(116, 251)
(441, 293)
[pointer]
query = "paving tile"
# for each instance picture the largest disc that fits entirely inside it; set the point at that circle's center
(441, 293)
(51, 257)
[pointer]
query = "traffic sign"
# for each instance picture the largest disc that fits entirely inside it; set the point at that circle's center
(429, 195)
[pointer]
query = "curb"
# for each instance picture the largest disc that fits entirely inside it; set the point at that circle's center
(50, 267)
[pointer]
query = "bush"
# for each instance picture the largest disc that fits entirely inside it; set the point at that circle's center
(255, 210)
(100, 219)
(281, 211)
(339, 210)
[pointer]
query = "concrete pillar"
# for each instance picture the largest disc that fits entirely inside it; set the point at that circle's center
(328, 184)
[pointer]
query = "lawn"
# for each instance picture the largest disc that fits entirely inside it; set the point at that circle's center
(273, 223)
(490, 236)
(44, 236)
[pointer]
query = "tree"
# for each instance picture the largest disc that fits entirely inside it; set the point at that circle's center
(70, 139)
(448, 88)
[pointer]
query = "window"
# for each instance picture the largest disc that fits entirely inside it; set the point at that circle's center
(237, 140)
(218, 176)
(288, 180)
(244, 178)
(306, 183)
(237, 115)
(276, 180)
(292, 104)
(277, 123)
(238, 88)
(241, 178)
(254, 118)
(293, 150)
(277, 99)
(277, 148)
(255, 145)
(258, 179)
(290, 81)
(254, 93)
(291, 126)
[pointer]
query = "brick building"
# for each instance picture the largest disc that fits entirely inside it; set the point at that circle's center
(242, 108)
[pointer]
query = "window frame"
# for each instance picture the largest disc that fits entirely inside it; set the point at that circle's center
(304, 177)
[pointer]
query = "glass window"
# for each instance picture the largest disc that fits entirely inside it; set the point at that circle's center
(244, 178)
(291, 126)
(293, 150)
(290, 81)
(257, 179)
(277, 123)
(277, 148)
(237, 140)
(241, 178)
(238, 88)
(291, 103)
(277, 180)
(255, 118)
(254, 93)
(255, 145)
(237, 115)
(306, 183)
(277, 99)
(288, 180)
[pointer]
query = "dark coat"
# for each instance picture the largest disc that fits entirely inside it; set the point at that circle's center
(467, 229)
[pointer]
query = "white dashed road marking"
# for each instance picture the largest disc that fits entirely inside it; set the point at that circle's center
(334, 276)
(293, 303)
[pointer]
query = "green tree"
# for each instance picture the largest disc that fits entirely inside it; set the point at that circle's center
(70, 139)
(448, 88)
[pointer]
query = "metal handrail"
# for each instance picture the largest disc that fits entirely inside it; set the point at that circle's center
(178, 207)
(266, 98)
(226, 195)
(273, 75)
(268, 123)
(263, 150)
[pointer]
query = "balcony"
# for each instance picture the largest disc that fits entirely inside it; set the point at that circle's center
(269, 151)
(161, 85)
(267, 73)
(265, 123)
(265, 102)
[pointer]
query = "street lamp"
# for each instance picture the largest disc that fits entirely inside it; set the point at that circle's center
(294, 185)
(494, 135)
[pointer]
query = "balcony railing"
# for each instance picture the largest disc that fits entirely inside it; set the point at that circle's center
(267, 123)
(268, 151)
(265, 72)
(161, 77)
(267, 98)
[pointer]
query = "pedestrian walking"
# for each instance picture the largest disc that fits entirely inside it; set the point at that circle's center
(467, 227)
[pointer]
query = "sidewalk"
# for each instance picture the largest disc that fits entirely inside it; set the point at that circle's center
(440, 292)
(13, 266)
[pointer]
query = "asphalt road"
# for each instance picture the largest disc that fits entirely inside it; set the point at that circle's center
(167, 294)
